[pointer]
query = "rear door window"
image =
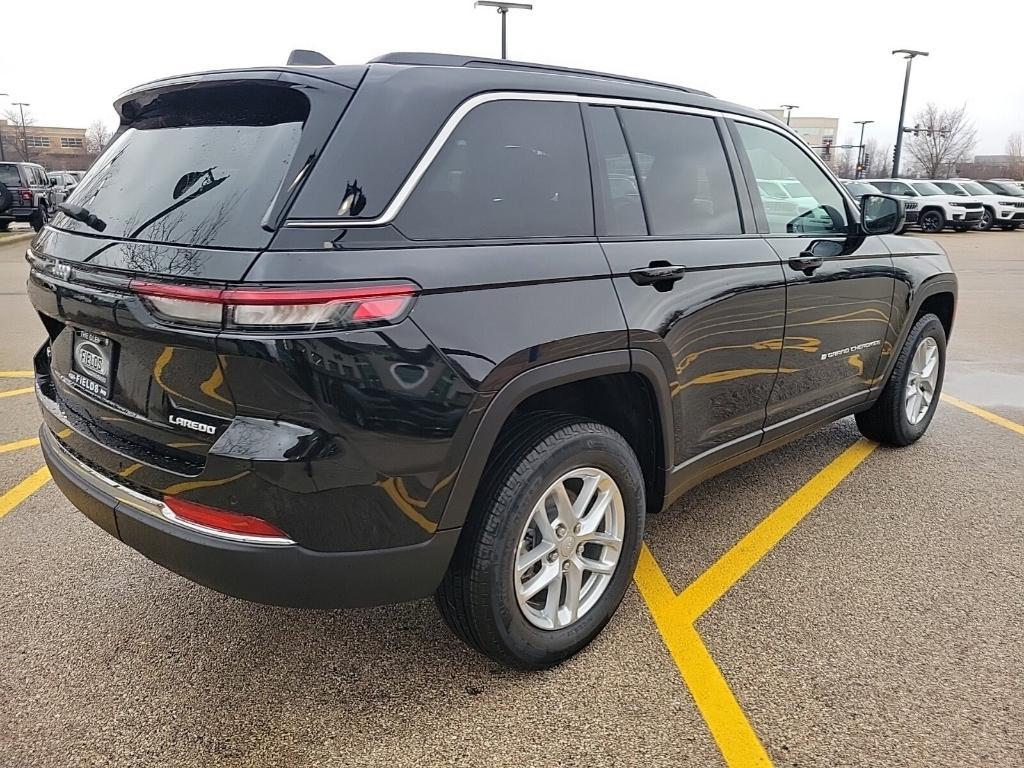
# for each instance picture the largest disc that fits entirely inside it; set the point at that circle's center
(196, 167)
(511, 169)
(615, 184)
(685, 181)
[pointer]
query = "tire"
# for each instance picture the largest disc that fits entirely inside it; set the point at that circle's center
(932, 221)
(987, 220)
(1009, 227)
(40, 217)
(887, 421)
(479, 595)
(6, 198)
(4, 225)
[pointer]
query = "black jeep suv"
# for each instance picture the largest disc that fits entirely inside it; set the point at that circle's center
(333, 336)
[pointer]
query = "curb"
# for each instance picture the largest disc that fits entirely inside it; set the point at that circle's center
(7, 239)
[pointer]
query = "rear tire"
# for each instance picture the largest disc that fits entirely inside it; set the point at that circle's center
(907, 404)
(4, 226)
(484, 595)
(987, 220)
(40, 217)
(1009, 227)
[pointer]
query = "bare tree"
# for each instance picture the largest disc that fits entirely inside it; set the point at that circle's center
(948, 136)
(14, 117)
(844, 161)
(1015, 149)
(97, 136)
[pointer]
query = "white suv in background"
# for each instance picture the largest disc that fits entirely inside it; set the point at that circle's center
(911, 205)
(938, 209)
(1000, 210)
(1010, 190)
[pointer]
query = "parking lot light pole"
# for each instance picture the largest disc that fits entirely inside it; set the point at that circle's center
(909, 56)
(2, 156)
(860, 151)
(503, 9)
(789, 109)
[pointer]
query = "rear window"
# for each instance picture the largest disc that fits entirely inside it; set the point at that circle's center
(9, 175)
(196, 167)
(511, 169)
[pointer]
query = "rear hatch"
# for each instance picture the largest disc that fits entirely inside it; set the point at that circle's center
(189, 193)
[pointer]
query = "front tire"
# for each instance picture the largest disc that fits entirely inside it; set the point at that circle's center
(932, 221)
(987, 220)
(905, 408)
(550, 545)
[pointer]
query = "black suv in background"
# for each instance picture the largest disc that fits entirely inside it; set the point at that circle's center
(332, 336)
(26, 194)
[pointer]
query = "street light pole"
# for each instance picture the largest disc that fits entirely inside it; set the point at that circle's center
(24, 135)
(503, 9)
(860, 150)
(789, 110)
(909, 56)
(2, 156)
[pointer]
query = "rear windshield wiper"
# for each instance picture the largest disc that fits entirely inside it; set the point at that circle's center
(84, 215)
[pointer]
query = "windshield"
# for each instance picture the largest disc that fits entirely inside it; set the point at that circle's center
(9, 175)
(927, 189)
(861, 188)
(950, 188)
(974, 188)
(1004, 189)
(195, 167)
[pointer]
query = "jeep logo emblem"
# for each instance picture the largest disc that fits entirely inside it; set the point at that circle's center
(91, 358)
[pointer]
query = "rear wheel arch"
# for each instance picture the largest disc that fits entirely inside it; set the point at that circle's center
(601, 387)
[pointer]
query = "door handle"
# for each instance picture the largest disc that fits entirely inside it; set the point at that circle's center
(657, 274)
(805, 263)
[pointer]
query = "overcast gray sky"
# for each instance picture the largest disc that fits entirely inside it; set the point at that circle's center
(831, 58)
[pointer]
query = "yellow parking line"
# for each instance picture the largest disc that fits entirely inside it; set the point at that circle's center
(26, 443)
(987, 415)
(16, 374)
(23, 490)
(675, 615)
(13, 392)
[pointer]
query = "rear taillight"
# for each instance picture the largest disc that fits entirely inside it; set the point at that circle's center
(222, 521)
(262, 309)
(26, 196)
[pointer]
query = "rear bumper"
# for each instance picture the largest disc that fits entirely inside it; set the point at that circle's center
(287, 575)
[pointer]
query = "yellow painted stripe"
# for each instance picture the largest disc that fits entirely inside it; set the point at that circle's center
(18, 444)
(13, 392)
(23, 490)
(995, 418)
(730, 567)
(717, 704)
(16, 374)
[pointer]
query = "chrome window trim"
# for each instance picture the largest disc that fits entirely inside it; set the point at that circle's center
(155, 507)
(434, 148)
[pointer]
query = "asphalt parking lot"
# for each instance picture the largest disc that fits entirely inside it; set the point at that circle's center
(832, 603)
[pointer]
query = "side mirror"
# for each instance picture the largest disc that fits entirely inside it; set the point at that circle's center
(881, 214)
(53, 182)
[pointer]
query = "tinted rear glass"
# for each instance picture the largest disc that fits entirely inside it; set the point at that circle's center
(9, 175)
(196, 167)
(511, 169)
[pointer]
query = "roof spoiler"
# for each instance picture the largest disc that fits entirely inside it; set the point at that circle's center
(303, 58)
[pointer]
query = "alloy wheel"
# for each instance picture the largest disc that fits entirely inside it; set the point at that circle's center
(930, 222)
(986, 221)
(922, 380)
(569, 548)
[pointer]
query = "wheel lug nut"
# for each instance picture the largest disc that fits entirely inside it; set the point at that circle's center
(552, 556)
(565, 566)
(577, 528)
(579, 550)
(560, 531)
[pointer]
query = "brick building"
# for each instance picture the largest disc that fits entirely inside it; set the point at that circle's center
(57, 149)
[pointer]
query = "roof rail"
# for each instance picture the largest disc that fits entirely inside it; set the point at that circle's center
(451, 60)
(303, 58)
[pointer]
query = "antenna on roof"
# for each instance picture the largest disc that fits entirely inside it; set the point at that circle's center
(303, 58)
